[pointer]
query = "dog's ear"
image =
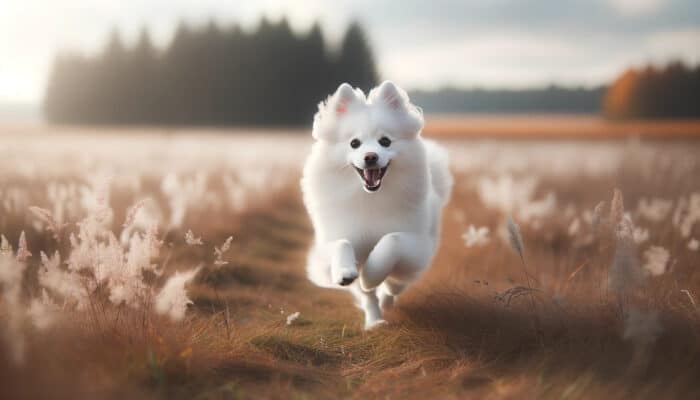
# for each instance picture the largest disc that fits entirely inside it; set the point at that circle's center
(334, 108)
(389, 94)
(343, 98)
(401, 117)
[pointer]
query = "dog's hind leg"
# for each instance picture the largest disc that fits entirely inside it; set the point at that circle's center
(399, 254)
(388, 291)
(369, 303)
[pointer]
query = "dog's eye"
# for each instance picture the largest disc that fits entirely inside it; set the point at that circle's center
(385, 141)
(355, 143)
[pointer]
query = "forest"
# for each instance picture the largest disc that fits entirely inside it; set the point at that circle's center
(208, 75)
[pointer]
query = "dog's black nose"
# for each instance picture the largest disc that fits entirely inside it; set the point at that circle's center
(371, 159)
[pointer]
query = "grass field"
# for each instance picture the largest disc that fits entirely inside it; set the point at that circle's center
(602, 304)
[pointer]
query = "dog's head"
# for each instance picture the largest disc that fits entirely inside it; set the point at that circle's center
(367, 134)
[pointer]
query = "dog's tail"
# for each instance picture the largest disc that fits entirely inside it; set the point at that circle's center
(440, 176)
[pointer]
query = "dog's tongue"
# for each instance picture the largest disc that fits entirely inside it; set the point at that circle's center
(372, 177)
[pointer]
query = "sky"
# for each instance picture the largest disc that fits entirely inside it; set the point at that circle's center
(418, 44)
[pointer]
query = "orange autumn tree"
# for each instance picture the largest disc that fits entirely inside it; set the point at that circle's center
(669, 92)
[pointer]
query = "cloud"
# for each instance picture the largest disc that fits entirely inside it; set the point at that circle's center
(489, 43)
(635, 8)
(488, 60)
(675, 44)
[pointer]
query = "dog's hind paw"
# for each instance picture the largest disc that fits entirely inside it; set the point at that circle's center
(375, 324)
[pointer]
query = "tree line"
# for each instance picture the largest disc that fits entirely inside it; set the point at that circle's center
(552, 99)
(208, 76)
(672, 91)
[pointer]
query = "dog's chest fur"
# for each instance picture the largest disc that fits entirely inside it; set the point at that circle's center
(347, 212)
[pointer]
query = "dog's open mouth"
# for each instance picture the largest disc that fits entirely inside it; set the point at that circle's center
(372, 177)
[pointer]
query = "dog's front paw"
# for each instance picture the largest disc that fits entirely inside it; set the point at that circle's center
(346, 276)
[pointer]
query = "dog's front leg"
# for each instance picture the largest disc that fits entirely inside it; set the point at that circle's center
(343, 262)
(399, 253)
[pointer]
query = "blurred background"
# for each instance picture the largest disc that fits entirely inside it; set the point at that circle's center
(150, 156)
(216, 63)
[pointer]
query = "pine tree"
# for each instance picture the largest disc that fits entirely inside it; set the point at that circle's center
(356, 63)
(142, 80)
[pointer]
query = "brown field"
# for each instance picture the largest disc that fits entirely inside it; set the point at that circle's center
(611, 313)
(555, 126)
(472, 126)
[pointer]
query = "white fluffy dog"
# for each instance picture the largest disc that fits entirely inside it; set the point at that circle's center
(375, 191)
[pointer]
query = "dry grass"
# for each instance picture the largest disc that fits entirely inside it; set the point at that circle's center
(462, 332)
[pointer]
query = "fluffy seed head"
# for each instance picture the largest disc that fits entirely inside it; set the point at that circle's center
(516, 241)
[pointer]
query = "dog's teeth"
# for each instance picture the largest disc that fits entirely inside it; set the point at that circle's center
(372, 177)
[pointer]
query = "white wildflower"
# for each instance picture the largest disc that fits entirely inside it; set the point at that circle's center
(185, 195)
(537, 209)
(95, 199)
(574, 227)
(292, 317)
(476, 236)
(505, 192)
(5, 247)
(656, 260)
(511, 196)
(68, 284)
(679, 211)
(126, 282)
(177, 199)
(693, 215)
(43, 311)
(640, 235)
(53, 225)
(192, 240)
(65, 199)
(624, 229)
(687, 214)
(693, 244)
(131, 214)
(236, 193)
(172, 299)
(655, 209)
(144, 215)
(219, 252)
(22, 250)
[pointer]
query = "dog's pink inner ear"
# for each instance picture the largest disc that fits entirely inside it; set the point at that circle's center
(392, 100)
(344, 97)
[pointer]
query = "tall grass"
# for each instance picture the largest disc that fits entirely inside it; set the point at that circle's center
(186, 281)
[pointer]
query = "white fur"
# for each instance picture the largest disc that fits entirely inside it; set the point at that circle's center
(386, 238)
